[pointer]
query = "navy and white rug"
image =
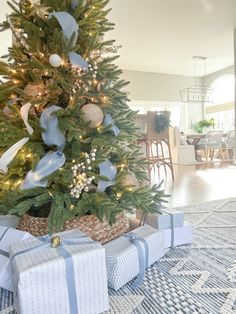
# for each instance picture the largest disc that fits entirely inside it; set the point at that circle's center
(195, 279)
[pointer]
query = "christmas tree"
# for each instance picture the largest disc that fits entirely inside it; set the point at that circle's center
(68, 138)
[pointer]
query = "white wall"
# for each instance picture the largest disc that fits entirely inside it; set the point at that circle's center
(156, 86)
(210, 78)
(5, 37)
(146, 87)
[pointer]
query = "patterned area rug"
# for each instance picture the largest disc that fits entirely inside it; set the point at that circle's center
(192, 279)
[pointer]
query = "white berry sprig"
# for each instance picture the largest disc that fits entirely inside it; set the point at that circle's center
(81, 178)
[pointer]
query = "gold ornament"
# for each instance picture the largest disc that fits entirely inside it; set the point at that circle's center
(34, 90)
(55, 242)
(92, 114)
(129, 180)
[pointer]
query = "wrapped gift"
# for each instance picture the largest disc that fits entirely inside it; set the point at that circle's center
(178, 236)
(7, 237)
(128, 256)
(163, 220)
(9, 221)
(64, 277)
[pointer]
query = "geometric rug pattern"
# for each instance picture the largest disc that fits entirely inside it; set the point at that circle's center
(197, 278)
(191, 279)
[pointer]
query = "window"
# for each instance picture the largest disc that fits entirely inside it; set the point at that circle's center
(223, 109)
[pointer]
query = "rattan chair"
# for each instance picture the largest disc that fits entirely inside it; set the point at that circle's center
(211, 143)
(158, 146)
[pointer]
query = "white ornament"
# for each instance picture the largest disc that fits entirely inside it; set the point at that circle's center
(55, 60)
(92, 114)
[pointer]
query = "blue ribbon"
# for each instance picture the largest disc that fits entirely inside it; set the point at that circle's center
(107, 169)
(4, 233)
(4, 253)
(70, 28)
(52, 161)
(70, 278)
(108, 120)
(172, 228)
(142, 257)
(74, 4)
(52, 135)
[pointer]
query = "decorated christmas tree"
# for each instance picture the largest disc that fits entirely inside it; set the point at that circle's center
(68, 138)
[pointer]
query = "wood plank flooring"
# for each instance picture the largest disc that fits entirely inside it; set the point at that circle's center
(199, 183)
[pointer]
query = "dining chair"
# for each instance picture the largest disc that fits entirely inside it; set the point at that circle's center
(211, 143)
(229, 144)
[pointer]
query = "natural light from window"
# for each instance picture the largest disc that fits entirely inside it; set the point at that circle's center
(223, 89)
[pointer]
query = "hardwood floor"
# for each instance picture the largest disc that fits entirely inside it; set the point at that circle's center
(199, 183)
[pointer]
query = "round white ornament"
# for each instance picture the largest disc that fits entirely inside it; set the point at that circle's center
(92, 114)
(55, 60)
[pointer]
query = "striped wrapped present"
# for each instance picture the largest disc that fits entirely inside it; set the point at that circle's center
(62, 274)
(128, 256)
(162, 220)
(9, 221)
(7, 237)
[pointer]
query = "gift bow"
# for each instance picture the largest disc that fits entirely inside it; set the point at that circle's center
(70, 278)
(142, 256)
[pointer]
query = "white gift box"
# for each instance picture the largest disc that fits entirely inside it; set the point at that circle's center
(7, 237)
(163, 221)
(46, 281)
(122, 255)
(9, 221)
(181, 235)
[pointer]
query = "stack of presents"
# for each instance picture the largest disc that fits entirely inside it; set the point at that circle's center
(71, 273)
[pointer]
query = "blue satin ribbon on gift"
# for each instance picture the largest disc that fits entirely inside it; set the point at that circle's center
(142, 257)
(4, 233)
(70, 278)
(172, 228)
(2, 252)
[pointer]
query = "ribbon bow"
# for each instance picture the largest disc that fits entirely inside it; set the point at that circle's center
(70, 278)
(142, 256)
(108, 120)
(107, 170)
(70, 28)
(52, 161)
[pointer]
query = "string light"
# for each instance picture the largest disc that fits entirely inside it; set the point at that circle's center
(19, 182)
(119, 194)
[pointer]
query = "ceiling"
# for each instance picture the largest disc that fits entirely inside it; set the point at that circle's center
(162, 36)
